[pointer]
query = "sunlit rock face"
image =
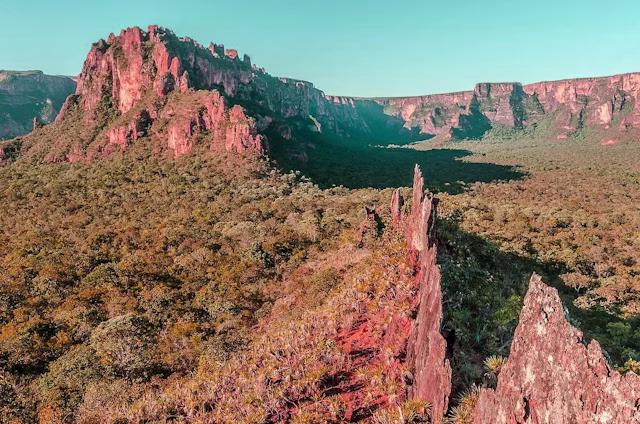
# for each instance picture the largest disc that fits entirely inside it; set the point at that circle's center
(131, 64)
(27, 96)
(128, 80)
(553, 376)
(607, 103)
(410, 349)
(154, 84)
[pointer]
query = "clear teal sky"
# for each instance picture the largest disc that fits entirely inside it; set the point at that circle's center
(352, 47)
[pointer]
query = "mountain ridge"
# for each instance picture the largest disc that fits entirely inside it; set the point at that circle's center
(141, 69)
(29, 95)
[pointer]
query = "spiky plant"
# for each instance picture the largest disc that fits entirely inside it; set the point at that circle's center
(462, 413)
(410, 412)
(494, 363)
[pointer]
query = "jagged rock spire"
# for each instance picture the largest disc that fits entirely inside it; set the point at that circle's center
(553, 376)
(426, 350)
(397, 202)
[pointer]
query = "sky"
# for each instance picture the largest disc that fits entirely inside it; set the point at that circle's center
(351, 47)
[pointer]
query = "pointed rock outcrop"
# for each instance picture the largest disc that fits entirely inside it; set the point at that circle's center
(426, 347)
(553, 376)
(397, 202)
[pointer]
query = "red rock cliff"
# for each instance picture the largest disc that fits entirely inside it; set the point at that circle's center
(128, 80)
(154, 84)
(610, 104)
(553, 376)
(128, 65)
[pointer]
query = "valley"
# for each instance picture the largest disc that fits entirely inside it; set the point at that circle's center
(195, 240)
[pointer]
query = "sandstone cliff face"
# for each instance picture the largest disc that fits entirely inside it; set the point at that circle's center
(25, 96)
(153, 84)
(553, 376)
(128, 65)
(128, 80)
(608, 104)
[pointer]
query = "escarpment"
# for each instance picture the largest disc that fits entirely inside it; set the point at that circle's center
(157, 85)
(554, 376)
(128, 81)
(28, 97)
(607, 104)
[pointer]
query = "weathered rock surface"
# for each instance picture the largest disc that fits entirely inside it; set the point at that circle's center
(127, 80)
(28, 96)
(128, 65)
(154, 84)
(426, 347)
(405, 342)
(553, 376)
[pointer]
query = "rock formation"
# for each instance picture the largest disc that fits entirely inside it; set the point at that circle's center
(409, 340)
(427, 348)
(397, 202)
(553, 376)
(154, 84)
(128, 65)
(28, 96)
(127, 80)
(610, 104)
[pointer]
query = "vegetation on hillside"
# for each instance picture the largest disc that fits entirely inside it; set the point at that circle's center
(144, 289)
(128, 270)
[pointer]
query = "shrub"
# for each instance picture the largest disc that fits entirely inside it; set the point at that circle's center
(125, 344)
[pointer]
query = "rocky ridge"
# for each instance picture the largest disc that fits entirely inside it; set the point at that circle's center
(427, 348)
(410, 340)
(551, 375)
(608, 104)
(29, 95)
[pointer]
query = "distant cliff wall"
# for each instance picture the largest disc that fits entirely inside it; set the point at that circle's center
(606, 103)
(27, 95)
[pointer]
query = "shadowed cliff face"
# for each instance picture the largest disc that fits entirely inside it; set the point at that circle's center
(28, 95)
